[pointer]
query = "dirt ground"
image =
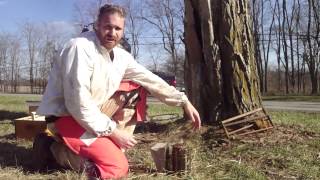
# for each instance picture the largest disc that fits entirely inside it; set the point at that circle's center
(267, 153)
(258, 150)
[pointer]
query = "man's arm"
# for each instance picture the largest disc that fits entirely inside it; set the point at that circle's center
(162, 90)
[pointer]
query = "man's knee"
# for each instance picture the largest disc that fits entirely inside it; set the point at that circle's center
(115, 170)
(123, 169)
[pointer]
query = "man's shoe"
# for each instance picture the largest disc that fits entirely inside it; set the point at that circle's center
(42, 157)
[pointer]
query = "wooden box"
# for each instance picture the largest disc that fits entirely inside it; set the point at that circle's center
(28, 127)
(33, 106)
(170, 157)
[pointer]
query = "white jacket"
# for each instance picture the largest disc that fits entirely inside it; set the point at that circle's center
(84, 77)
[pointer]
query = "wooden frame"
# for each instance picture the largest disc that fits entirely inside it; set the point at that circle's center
(28, 127)
(250, 122)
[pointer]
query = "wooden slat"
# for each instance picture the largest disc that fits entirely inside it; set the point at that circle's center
(241, 115)
(256, 131)
(241, 129)
(225, 130)
(241, 119)
(245, 120)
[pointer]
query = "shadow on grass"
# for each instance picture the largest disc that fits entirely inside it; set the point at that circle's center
(12, 155)
(215, 137)
(8, 137)
(150, 127)
(157, 127)
(5, 115)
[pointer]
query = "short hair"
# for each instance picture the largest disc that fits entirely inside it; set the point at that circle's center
(111, 8)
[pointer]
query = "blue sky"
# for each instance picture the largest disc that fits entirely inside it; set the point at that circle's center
(15, 12)
(60, 14)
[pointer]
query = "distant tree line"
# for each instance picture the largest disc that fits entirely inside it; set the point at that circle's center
(286, 35)
(27, 57)
(290, 32)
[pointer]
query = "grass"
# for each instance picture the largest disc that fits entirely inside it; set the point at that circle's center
(16, 103)
(154, 110)
(292, 98)
(290, 151)
(306, 121)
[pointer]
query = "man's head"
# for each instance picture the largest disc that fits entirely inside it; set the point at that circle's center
(110, 25)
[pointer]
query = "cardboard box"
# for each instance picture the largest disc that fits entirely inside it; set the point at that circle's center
(28, 127)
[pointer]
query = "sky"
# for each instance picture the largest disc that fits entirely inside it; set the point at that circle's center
(13, 13)
(59, 13)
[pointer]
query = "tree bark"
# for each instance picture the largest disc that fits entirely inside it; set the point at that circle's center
(220, 70)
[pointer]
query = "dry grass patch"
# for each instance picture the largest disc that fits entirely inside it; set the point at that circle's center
(290, 151)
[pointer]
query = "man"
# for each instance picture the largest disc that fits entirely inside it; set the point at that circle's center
(81, 88)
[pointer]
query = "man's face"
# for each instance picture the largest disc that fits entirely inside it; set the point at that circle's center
(109, 29)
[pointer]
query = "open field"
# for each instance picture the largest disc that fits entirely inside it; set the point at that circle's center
(290, 151)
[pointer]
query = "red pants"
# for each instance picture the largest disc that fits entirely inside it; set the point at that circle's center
(106, 155)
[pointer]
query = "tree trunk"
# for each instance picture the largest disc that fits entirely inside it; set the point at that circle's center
(312, 60)
(285, 45)
(220, 69)
(256, 34)
(297, 47)
(290, 34)
(268, 50)
(278, 46)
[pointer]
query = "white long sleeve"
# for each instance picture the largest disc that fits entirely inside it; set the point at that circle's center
(155, 85)
(74, 86)
(84, 78)
(76, 76)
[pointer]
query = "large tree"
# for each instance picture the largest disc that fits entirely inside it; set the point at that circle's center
(166, 16)
(32, 36)
(4, 51)
(220, 70)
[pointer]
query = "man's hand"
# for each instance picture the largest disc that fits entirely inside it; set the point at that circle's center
(123, 139)
(193, 115)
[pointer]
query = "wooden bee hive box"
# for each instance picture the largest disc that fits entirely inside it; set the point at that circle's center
(28, 127)
(33, 106)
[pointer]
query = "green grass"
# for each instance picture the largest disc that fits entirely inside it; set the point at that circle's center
(290, 151)
(154, 110)
(16, 103)
(305, 121)
(292, 98)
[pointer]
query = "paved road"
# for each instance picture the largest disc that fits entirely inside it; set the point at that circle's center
(18, 94)
(292, 105)
(276, 105)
